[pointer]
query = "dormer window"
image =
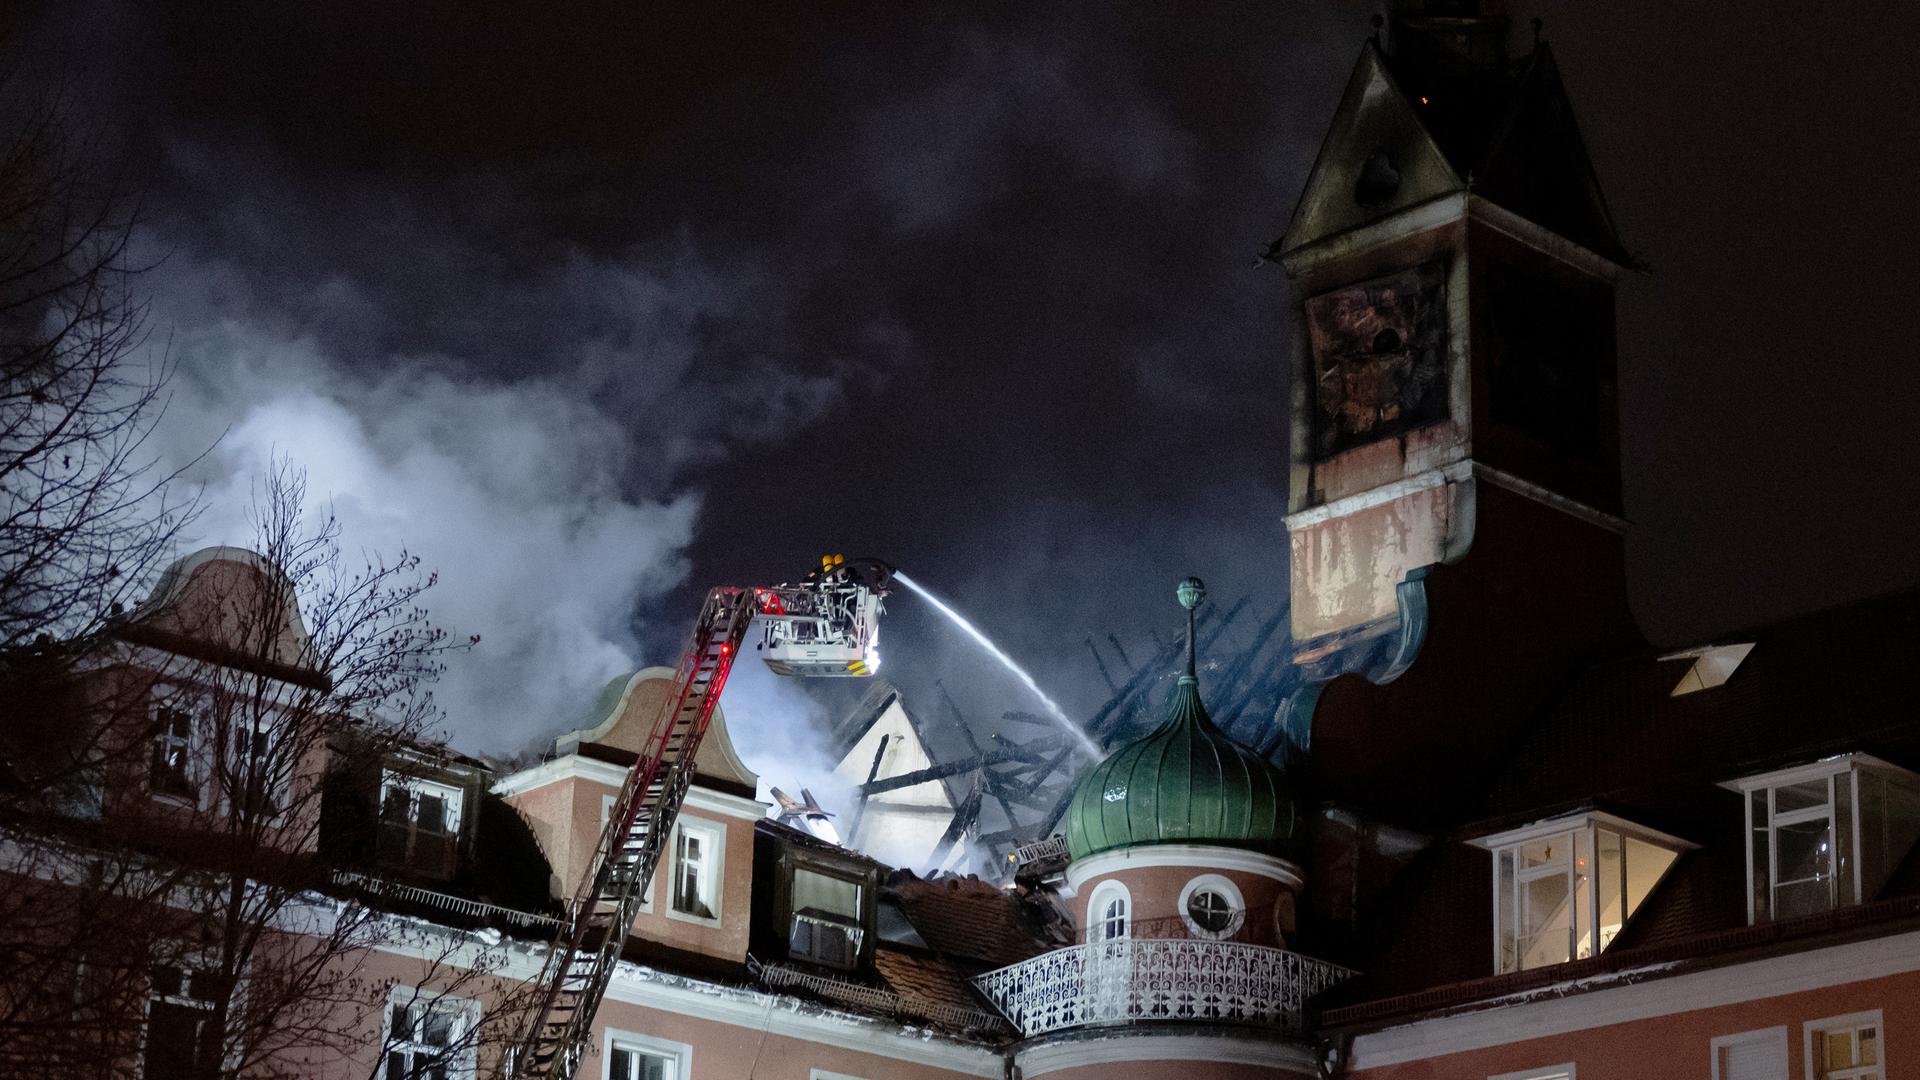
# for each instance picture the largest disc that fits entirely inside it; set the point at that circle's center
(826, 919)
(1564, 889)
(1825, 835)
(419, 823)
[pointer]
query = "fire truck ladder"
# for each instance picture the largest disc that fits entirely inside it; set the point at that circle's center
(582, 960)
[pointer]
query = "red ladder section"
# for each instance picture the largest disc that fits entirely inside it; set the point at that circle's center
(601, 915)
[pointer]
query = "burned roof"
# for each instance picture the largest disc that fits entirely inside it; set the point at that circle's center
(970, 920)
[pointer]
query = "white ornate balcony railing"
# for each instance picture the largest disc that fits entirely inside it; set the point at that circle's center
(1145, 981)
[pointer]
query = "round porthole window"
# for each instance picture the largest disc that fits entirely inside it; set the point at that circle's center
(1211, 907)
(1211, 911)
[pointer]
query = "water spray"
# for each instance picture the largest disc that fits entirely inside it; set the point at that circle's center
(1059, 715)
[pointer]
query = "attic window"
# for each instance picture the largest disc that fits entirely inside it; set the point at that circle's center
(1712, 666)
(419, 824)
(826, 919)
(1826, 834)
(1564, 889)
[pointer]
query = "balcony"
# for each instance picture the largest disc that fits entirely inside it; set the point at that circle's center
(1143, 981)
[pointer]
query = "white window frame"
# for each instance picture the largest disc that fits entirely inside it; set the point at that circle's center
(1589, 823)
(464, 1063)
(1224, 886)
(1836, 770)
(678, 1054)
(1545, 1072)
(1103, 894)
(823, 1074)
(453, 798)
(279, 778)
(606, 815)
(1870, 1018)
(198, 704)
(715, 833)
(1775, 1037)
(186, 966)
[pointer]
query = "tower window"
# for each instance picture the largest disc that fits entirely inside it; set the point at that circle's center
(1109, 913)
(1212, 907)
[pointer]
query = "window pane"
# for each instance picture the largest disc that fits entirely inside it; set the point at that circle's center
(1645, 864)
(1839, 1049)
(1760, 851)
(1843, 837)
(1610, 877)
(1544, 921)
(1582, 894)
(1503, 912)
(172, 1032)
(1802, 853)
(393, 803)
(1790, 797)
(432, 814)
(438, 1029)
(825, 895)
(1869, 1046)
(1210, 911)
(1548, 851)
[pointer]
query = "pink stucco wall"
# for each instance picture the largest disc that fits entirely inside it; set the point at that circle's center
(1680, 1044)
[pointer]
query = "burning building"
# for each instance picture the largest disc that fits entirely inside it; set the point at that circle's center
(1489, 831)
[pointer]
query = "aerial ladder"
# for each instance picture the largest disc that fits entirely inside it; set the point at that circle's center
(828, 625)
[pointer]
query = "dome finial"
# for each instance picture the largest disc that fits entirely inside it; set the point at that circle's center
(1191, 592)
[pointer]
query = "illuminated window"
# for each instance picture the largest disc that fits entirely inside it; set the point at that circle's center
(1563, 889)
(1109, 912)
(1825, 835)
(694, 879)
(1845, 1048)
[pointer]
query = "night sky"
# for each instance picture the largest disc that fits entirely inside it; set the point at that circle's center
(596, 309)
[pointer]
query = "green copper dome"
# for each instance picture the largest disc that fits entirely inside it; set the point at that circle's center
(1185, 782)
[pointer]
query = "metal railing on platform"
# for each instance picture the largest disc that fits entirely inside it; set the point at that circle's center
(1133, 981)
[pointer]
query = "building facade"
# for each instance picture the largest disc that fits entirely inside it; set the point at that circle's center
(1501, 836)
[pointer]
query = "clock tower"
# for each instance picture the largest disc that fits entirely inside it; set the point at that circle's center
(1455, 521)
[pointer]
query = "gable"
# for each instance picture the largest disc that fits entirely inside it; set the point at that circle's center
(1377, 160)
(228, 599)
(623, 715)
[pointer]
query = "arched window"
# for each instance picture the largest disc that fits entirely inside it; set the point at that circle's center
(1212, 907)
(1109, 912)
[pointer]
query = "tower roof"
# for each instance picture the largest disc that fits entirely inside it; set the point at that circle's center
(1443, 110)
(1184, 782)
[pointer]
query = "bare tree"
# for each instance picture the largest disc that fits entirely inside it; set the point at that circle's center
(85, 512)
(239, 701)
(330, 678)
